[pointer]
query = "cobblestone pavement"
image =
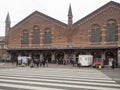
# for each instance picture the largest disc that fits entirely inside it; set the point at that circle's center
(113, 73)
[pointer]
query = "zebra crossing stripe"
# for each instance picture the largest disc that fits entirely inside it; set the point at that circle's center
(102, 76)
(28, 87)
(46, 78)
(59, 78)
(60, 85)
(61, 75)
(59, 81)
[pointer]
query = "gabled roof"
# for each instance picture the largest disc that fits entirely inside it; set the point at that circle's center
(41, 14)
(99, 9)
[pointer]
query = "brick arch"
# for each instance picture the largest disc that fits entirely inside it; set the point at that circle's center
(109, 54)
(35, 27)
(47, 29)
(110, 51)
(111, 21)
(57, 52)
(25, 31)
(94, 26)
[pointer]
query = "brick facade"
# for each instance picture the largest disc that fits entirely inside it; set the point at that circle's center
(71, 41)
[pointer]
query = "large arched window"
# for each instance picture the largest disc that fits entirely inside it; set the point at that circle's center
(25, 37)
(95, 34)
(36, 36)
(47, 38)
(111, 31)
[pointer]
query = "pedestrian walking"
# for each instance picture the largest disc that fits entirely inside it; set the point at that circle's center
(40, 62)
(43, 62)
(73, 63)
(37, 62)
(79, 63)
(46, 62)
(113, 64)
(31, 64)
(64, 62)
(110, 62)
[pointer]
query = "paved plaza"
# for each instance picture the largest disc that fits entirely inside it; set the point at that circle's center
(56, 78)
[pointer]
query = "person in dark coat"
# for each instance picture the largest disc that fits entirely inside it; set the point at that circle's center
(113, 64)
(72, 62)
(43, 62)
(37, 62)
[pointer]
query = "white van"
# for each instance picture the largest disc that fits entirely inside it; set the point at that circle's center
(85, 60)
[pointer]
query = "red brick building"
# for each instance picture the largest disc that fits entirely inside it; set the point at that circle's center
(41, 36)
(3, 52)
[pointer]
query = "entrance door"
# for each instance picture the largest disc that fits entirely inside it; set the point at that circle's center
(59, 57)
(108, 56)
(47, 55)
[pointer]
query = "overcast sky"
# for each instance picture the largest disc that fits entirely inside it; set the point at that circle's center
(58, 9)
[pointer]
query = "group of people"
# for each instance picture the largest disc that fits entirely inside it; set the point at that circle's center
(65, 62)
(32, 62)
(37, 62)
(70, 61)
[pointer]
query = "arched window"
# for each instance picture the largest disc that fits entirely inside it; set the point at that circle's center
(95, 34)
(47, 38)
(36, 36)
(25, 37)
(111, 31)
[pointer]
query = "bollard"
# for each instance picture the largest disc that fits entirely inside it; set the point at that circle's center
(99, 67)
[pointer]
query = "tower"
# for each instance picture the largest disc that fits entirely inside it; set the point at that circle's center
(7, 28)
(7, 24)
(70, 22)
(70, 16)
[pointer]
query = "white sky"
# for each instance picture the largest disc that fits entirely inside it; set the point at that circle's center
(58, 9)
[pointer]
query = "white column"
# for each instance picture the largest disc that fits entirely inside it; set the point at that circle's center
(103, 56)
(65, 57)
(41, 56)
(74, 57)
(53, 57)
(8, 56)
